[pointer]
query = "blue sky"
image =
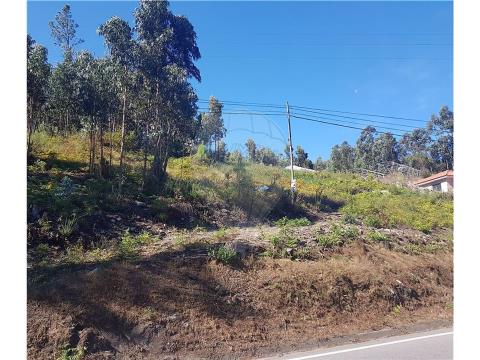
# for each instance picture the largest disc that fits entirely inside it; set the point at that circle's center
(383, 57)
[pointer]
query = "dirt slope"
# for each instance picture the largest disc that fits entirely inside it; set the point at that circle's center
(179, 304)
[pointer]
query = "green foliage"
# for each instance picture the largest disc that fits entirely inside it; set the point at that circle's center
(283, 243)
(42, 251)
(285, 221)
(74, 253)
(419, 211)
(337, 236)
(129, 245)
(201, 156)
(71, 353)
(349, 219)
(397, 309)
(220, 234)
(68, 226)
(223, 254)
(377, 236)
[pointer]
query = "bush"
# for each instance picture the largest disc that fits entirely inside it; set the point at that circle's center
(128, 246)
(377, 236)
(224, 254)
(337, 236)
(68, 226)
(202, 155)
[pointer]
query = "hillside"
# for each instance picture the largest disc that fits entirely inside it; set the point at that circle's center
(219, 264)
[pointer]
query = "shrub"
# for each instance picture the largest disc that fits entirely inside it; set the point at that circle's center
(71, 353)
(74, 253)
(65, 188)
(68, 226)
(377, 236)
(349, 219)
(337, 236)
(128, 246)
(201, 156)
(283, 243)
(224, 254)
(42, 251)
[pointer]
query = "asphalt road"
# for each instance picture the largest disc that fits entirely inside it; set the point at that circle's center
(429, 345)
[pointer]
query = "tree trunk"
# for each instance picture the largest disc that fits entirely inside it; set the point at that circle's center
(66, 124)
(122, 139)
(145, 149)
(102, 159)
(111, 141)
(90, 153)
(94, 145)
(29, 127)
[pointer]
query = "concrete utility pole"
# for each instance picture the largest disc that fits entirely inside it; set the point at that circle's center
(293, 185)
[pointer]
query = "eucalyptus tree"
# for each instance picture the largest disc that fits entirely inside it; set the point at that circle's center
(118, 39)
(64, 29)
(302, 156)
(385, 148)
(38, 72)
(342, 157)
(64, 94)
(167, 51)
(414, 149)
(251, 150)
(212, 128)
(441, 129)
(364, 157)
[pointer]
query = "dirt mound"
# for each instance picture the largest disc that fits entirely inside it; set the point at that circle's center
(167, 307)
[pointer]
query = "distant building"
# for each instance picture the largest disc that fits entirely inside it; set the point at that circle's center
(442, 182)
(299, 168)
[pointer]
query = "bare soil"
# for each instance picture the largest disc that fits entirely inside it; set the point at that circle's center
(175, 303)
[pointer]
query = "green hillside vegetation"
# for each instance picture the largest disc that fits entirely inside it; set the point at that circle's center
(64, 195)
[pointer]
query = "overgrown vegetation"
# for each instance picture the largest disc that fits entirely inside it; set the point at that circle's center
(223, 254)
(337, 236)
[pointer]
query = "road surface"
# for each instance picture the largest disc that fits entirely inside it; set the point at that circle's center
(429, 345)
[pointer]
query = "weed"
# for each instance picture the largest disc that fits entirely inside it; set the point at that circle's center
(74, 253)
(149, 313)
(44, 223)
(285, 221)
(71, 353)
(377, 236)
(349, 219)
(220, 234)
(397, 309)
(181, 238)
(68, 226)
(337, 236)
(145, 238)
(128, 246)
(224, 254)
(42, 251)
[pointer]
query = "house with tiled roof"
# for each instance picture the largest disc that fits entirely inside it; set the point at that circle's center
(442, 182)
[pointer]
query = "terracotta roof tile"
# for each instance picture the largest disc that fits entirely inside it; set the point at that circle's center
(434, 177)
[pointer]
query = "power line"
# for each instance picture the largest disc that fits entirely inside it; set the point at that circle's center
(354, 118)
(341, 125)
(330, 121)
(363, 114)
(369, 123)
(241, 103)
